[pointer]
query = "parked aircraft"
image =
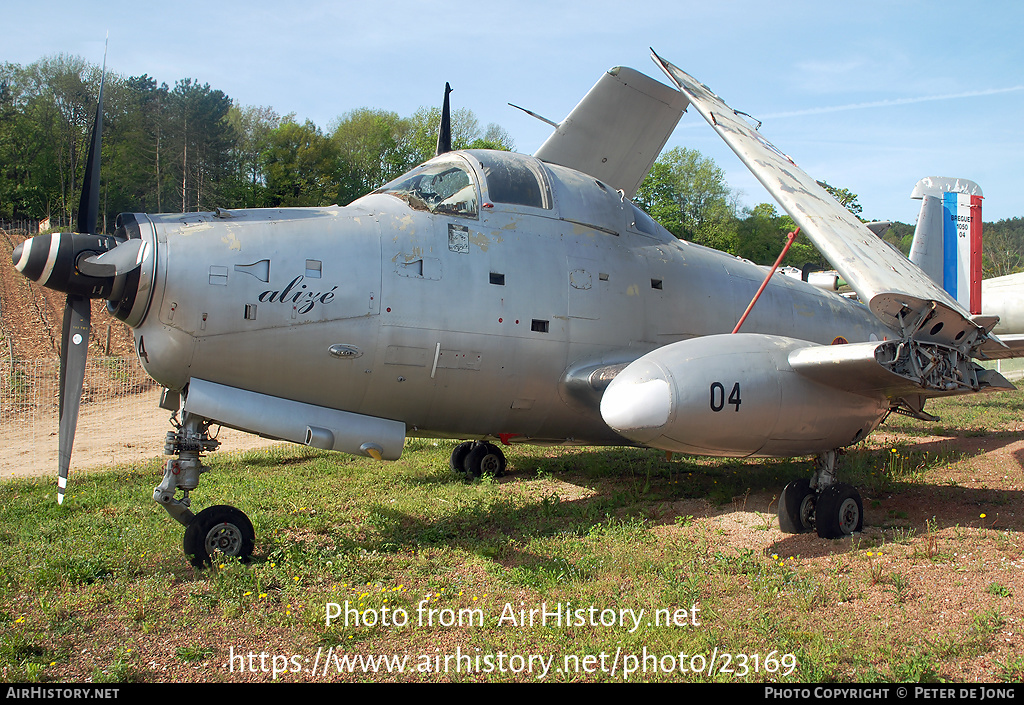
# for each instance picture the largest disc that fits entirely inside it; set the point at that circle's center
(490, 296)
(1004, 297)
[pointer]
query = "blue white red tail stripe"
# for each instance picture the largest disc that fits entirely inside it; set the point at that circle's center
(961, 249)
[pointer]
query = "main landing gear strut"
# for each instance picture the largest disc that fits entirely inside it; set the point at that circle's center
(833, 509)
(218, 529)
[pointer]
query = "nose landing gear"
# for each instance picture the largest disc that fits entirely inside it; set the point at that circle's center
(217, 529)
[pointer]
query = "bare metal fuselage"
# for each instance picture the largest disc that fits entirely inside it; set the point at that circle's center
(456, 326)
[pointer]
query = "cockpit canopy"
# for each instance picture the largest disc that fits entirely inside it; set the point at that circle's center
(514, 178)
(448, 185)
(461, 183)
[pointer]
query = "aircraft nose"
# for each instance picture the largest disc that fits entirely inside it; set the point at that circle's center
(637, 405)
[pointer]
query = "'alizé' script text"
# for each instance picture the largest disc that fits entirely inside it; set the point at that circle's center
(298, 294)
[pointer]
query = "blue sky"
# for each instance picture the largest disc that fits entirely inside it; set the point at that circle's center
(870, 96)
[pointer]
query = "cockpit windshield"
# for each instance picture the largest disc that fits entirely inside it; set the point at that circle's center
(446, 187)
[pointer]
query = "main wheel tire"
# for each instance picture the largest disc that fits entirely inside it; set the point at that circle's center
(457, 462)
(797, 507)
(219, 529)
(839, 511)
(485, 459)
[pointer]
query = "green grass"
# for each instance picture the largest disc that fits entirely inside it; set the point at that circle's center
(99, 589)
(978, 415)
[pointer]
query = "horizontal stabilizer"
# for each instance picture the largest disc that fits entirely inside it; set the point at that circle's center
(939, 185)
(617, 130)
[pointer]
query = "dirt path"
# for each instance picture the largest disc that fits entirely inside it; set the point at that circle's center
(117, 435)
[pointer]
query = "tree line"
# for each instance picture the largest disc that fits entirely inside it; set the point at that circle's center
(190, 147)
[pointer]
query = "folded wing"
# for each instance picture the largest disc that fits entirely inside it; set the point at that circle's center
(617, 130)
(897, 292)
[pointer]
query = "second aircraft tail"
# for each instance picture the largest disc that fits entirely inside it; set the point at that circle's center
(947, 241)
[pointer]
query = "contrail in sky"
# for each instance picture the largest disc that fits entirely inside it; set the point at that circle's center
(891, 102)
(879, 104)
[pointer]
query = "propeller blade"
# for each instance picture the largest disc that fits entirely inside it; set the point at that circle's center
(444, 134)
(89, 205)
(113, 263)
(74, 341)
(74, 346)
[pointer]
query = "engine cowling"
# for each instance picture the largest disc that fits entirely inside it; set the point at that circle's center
(734, 395)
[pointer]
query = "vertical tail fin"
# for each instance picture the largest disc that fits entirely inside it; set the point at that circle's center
(947, 241)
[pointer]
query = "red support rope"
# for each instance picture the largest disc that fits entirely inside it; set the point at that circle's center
(789, 241)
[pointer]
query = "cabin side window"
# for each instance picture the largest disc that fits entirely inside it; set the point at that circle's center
(513, 179)
(643, 222)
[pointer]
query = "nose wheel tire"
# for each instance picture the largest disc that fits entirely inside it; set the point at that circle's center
(219, 529)
(839, 511)
(797, 507)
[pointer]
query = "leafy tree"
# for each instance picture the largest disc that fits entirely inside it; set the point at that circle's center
(132, 145)
(686, 192)
(1003, 247)
(762, 235)
(373, 147)
(901, 236)
(847, 199)
(21, 190)
(74, 105)
(251, 127)
(466, 133)
(301, 165)
(376, 146)
(56, 101)
(494, 137)
(201, 135)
